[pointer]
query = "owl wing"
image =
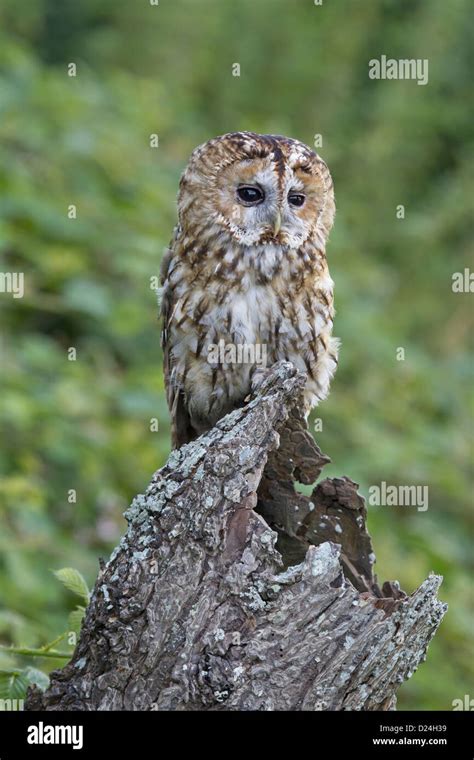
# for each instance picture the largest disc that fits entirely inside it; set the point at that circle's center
(181, 429)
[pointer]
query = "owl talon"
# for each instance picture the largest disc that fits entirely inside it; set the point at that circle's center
(258, 377)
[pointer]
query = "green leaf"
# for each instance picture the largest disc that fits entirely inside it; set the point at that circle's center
(37, 677)
(73, 581)
(13, 684)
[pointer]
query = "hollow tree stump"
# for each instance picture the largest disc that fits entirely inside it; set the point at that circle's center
(232, 591)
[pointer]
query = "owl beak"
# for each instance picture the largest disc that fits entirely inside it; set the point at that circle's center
(277, 224)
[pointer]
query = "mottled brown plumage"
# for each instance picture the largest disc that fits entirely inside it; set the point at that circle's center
(246, 270)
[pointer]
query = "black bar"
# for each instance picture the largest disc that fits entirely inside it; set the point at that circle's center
(162, 734)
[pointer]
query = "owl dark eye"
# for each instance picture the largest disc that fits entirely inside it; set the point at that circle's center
(250, 195)
(296, 199)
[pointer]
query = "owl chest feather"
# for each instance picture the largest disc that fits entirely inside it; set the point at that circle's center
(223, 330)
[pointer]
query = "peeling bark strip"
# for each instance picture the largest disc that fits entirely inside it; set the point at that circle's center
(195, 611)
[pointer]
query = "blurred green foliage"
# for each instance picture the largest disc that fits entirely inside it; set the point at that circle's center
(85, 424)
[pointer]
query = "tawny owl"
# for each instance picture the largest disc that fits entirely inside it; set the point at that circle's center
(245, 281)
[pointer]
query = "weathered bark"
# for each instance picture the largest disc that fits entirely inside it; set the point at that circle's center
(195, 609)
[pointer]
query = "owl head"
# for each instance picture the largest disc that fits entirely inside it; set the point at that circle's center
(257, 189)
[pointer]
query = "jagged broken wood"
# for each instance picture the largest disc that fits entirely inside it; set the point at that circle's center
(232, 591)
